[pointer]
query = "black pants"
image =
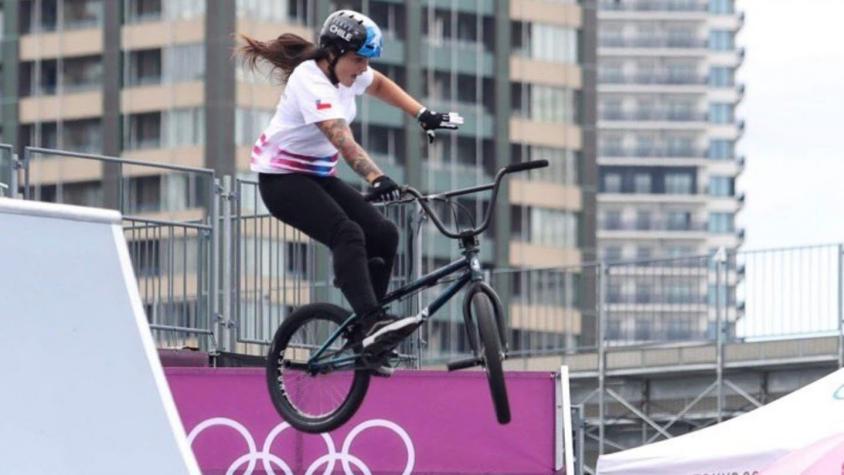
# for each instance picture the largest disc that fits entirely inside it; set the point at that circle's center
(335, 214)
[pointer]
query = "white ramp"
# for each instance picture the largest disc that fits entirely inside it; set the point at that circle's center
(81, 387)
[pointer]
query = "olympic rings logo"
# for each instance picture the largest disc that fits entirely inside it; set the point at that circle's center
(269, 459)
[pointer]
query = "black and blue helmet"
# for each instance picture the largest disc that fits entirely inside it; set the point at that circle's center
(348, 30)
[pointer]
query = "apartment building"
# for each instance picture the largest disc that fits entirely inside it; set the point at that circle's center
(667, 157)
(154, 80)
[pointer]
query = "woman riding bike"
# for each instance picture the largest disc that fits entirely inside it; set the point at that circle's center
(296, 155)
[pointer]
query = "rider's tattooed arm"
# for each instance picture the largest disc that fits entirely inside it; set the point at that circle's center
(340, 135)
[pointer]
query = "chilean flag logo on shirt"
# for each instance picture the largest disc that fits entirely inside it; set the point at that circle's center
(322, 105)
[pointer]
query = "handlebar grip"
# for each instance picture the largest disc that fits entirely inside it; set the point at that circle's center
(517, 167)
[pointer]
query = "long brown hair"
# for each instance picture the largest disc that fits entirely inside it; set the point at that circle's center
(283, 53)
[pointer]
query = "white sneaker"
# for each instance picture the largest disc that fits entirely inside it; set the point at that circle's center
(391, 331)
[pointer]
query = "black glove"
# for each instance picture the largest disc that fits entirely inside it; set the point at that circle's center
(384, 189)
(430, 121)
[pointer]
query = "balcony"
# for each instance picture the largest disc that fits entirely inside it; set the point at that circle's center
(651, 225)
(652, 297)
(652, 79)
(652, 152)
(654, 6)
(74, 15)
(685, 43)
(655, 115)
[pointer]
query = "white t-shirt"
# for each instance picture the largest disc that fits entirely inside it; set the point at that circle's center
(292, 143)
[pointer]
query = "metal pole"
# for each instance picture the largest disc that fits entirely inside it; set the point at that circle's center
(13, 180)
(580, 425)
(417, 257)
(602, 298)
(214, 253)
(226, 313)
(840, 291)
(719, 330)
(26, 160)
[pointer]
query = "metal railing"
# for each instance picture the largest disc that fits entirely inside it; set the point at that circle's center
(654, 78)
(8, 171)
(644, 42)
(652, 152)
(275, 268)
(222, 277)
(652, 225)
(655, 5)
(171, 227)
(654, 115)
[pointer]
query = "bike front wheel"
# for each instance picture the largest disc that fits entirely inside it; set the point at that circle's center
(312, 400)
(492, 354)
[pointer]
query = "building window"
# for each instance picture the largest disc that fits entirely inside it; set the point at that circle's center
(613, 254)
(611, 145)
(612, 183)
(552, 104)
(612, 219)
(643, 220)
(720, 149)
(262, 10)
(249, 123)
(563, 164)
(389, 17)
(138, 11)
(678, 183)
(553, 228)
(642, 183)
(678, 221)
(721, 223)
(142, 131)
(183, 63)
(680, 146)
(144, 67)
(721, 40)
(721, 7)
(544, 42)
(644, 253)
(143, 194)
(677, 291)
(183, 9)
(720, 113)
(74, 14)
(184, 127)
(82, 74)
(83, 136)
(721, 185)
(721, 76)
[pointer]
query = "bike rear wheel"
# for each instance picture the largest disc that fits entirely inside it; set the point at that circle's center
(313, 401)
(491, 353)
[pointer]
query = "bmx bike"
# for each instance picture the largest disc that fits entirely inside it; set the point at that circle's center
(316, 373)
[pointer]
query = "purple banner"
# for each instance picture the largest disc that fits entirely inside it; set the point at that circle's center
(421, 422)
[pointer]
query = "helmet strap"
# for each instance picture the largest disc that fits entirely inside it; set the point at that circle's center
(332, 75)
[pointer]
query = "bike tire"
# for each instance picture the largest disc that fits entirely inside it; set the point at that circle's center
(492, 355)
(275, 372)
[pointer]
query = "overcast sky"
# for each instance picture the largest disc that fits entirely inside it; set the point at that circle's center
(794, 108)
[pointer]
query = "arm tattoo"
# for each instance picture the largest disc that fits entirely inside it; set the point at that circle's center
(340, 135)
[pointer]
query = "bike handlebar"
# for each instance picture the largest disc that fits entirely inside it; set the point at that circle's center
(423, 199)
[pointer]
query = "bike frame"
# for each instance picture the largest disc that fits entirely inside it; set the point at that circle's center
(470, 266)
